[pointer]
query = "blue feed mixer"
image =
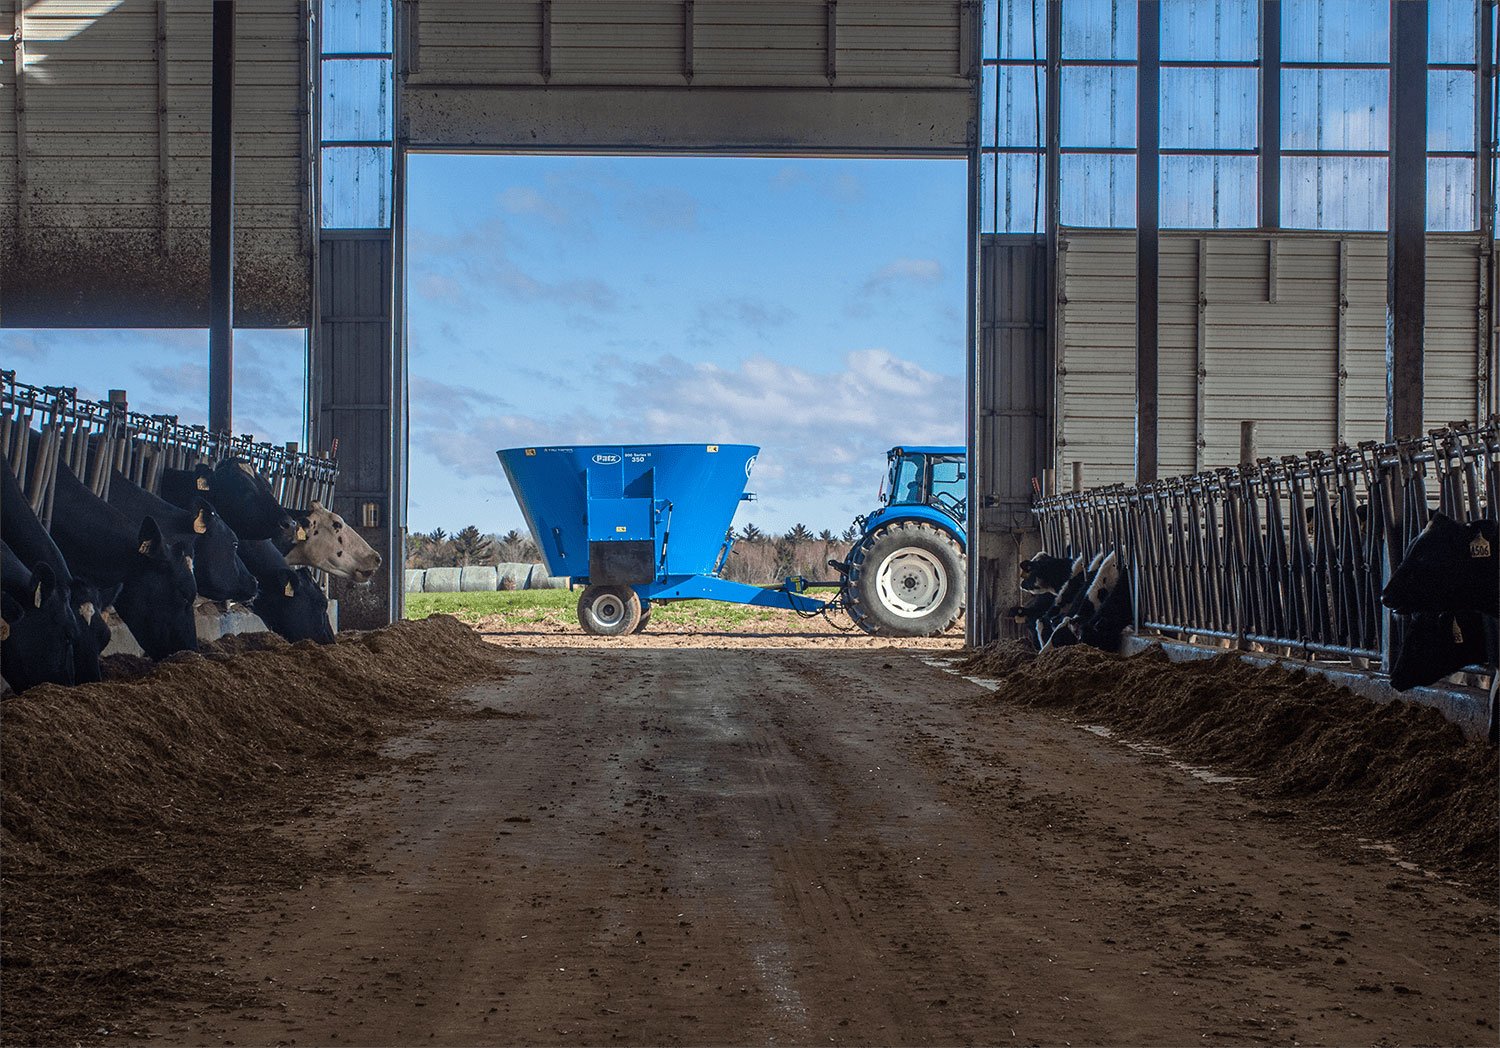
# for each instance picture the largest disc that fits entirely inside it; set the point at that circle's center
(640, 523)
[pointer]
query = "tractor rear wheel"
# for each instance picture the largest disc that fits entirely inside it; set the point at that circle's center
(907, 579)
(609, 611)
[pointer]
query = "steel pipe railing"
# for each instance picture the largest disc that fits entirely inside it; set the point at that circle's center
(41, 426)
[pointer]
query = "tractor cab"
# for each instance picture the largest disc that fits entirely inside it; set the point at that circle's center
(933, 476)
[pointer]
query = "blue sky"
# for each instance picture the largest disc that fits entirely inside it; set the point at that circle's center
(812, 307)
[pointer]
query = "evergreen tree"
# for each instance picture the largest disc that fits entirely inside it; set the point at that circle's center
(470, 547)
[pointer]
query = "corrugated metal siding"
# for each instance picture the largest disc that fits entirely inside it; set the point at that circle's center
(113, 226)
(737, 43)
(1269, 342)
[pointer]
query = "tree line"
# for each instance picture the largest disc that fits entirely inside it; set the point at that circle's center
(757, 557)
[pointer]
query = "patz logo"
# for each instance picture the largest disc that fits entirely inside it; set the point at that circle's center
(606, 460)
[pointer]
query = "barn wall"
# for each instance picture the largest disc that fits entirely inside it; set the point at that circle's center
(749, 75)
(104, 164)
(1255, 328)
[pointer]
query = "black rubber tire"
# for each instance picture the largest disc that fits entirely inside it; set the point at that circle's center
(609, 611)
(640, 627)
(865, 605)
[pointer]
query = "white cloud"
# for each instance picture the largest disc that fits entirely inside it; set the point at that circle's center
(904, 271)
(823, 435)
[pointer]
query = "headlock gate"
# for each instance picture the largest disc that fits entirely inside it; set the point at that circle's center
(1290, 554)
(45, 425)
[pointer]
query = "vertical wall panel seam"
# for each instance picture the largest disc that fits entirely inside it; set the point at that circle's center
(1341, 350)
(23, 194)
(1200, 347)
(163, 136)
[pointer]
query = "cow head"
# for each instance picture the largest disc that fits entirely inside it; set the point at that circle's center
(1044, 573)
(91, 631)
(156, 599)
(325, 542)
(244, 500)
(293, 605)
(43, 632)
(1449, 567)
(1434, 645)
(216, 564)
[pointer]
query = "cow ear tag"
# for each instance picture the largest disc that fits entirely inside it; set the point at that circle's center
(288, 589)
(199, 524)
(202, 483)
(301, 533)
(1458, 634)
(1479, 547)
(145, 548)
(36, 597)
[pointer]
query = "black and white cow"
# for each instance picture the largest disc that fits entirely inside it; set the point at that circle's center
(1450, 568)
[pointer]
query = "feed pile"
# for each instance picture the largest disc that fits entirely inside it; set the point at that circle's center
(1397, 771)
(126, 803)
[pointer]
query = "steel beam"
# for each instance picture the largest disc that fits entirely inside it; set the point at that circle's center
(221, 224)
(1147, 238)
(1406, 256)
(1270, 114)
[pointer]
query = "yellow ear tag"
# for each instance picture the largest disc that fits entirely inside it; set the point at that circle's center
(288, 589)
(301, 533)
(1458, 634)
(199, 524)
(1479, 547)
(202, 483)
(37, 597)
(145, 548)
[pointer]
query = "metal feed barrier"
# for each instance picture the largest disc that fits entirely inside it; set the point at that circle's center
(1289, 555)
(94, 438)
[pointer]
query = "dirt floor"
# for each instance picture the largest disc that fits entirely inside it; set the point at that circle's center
(781, 630)
(784, 846)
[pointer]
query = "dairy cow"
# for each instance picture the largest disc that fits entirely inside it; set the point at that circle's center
(1044, 573)
(1435, 644)
(289, 602)
(34, 547)
(214, 546)
(153, 578)
(325, 542)
(42, 629)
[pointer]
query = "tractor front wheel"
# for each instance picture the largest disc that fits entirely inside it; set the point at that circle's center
(906, 580)
(609, 611)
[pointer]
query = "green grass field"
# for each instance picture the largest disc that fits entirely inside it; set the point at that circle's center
(532, 607)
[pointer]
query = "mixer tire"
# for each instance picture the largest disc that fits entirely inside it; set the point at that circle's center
(609, 611)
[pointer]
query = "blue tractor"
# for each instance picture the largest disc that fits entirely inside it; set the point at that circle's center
(907, 575)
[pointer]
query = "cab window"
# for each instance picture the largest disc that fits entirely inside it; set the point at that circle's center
(948, 476)
(908, 485)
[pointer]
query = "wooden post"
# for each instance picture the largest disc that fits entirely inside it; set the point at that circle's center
(1049, 482)
(1077, 477)
(1247, 442)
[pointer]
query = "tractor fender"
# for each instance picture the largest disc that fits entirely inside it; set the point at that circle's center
(924, 514)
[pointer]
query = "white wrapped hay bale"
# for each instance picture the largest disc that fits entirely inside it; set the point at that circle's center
(540, 580)
(442, 580)
(512, 576)
(414, 577)
(479, 578)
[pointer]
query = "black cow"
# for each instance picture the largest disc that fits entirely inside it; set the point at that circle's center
(290, 602)
(1453, 567)
(181, 486)
(42, 629)
(217, 569)
(34, 548)
(244, 500)
(1449, 567)
(1437, 643)
(155, 577)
